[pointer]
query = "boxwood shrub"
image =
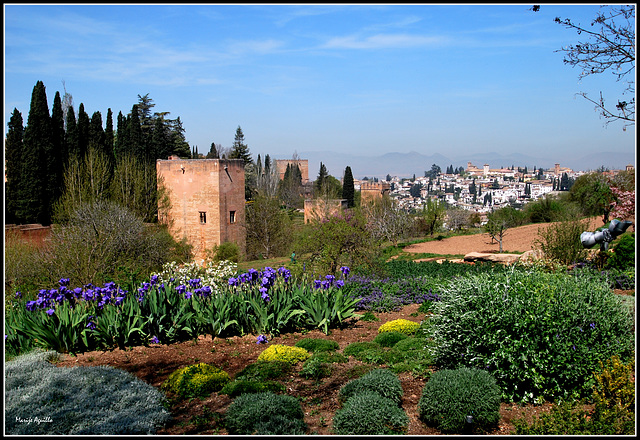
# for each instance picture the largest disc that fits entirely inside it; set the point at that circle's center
(389, 339)
(541, 335)
(381, 381)
(265, 414)
(368, 413)
(238, 387)
(317, 344)
(461, 400)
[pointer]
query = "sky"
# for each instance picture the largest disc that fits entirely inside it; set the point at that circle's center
(365, 80)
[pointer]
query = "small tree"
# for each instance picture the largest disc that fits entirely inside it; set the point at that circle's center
(433, 214)
(268, 228)
(348, 189)
(386, 220)
(498, 222)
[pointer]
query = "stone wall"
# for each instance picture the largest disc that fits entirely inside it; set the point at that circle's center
(370, 191)
(303, 164)
(207, 201)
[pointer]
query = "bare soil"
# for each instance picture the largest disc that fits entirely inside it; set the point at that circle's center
(515, 240)
(154, 363)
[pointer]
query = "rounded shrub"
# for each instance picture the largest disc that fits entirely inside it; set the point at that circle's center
(381, 381)
(78, 401)
(399, 325)
(317, 344)
(389, 339)
(355, 348)
(624, 253)
(196, 380)
(409, 344)
(264, 370)
(265, 414)
(541, 335)
(368, 413)
(455, 401)
(285, 353)
(238, 387)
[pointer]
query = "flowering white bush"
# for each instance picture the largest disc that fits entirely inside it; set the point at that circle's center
(212, 274)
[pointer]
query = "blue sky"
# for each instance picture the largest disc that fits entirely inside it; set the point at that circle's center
(363, 79)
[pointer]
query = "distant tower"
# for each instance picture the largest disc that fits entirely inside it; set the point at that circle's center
(207, 201)
(370, 191)
(557, 169)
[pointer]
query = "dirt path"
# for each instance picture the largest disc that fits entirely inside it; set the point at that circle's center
(516, 240)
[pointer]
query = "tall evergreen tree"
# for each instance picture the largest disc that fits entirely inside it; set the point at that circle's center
(71, 136)
(84, 124)
(213, 152)
(13, 149)
(109, 137)
(121, 146)
(321, 180)
(34, 206)
(59, 154)
(240, 150)
(134, 129)
(348, 188)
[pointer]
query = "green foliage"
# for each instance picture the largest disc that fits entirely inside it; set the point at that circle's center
(264, 370)
(450, 396)
(368, 316)
(368, 413)
(238, 387)
(403, 326)
(356, 348)
(226, 251)
(265, 414)
(330, 357)
(317, 345)
(268, 228)
(381, 381)
(539, 334)
(315, 368)
(624, 253)
(285, 353)
(592, 193)
(326, 309)
(389, 338)
(80, 401)
(196, 380)
(560, 241)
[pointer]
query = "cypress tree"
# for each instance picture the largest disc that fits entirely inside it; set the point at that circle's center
(134, 129)
(348, 189)
(84, 124)
(34, 206)
(13, 147)
(109, 137)
(321, 181)
(122, 137)
(71, 136)
(59, 154)
(213, 152)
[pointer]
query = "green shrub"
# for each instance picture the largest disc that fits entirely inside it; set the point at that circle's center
(238, 387)
(265, 414)
(541, 335)
(560, 241)
(227, 251)
(369, 316)
(317, 345)
(381, 381)
(264, 370)
(314, 368)
(286, 353)
(368, 413)
(409, 344)
(355, 348)
(196, 380)
(450, 396)
(331, 358)
(389, 339)
(400, 326)
(624, 253)
(81, 401)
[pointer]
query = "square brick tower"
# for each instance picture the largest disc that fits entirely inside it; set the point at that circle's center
(207, 201)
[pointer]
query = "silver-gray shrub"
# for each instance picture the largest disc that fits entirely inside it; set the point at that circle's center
(42, 399)
(541, 335)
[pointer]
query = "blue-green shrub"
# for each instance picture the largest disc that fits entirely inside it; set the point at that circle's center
(368, 413)
(451, 396)
(42, 399)
(265, 414)
(389, 339)
(539, 334)
(381, 381)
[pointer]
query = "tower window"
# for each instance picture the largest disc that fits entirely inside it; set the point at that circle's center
(203, 217)
(232, 216)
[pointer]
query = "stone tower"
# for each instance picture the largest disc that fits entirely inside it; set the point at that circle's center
(370, 191)
(207, 201)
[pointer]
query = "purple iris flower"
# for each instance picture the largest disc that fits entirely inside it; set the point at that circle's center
(51, 312)
(262, 339)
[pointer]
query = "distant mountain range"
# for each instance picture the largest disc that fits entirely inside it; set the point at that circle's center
(408, 164)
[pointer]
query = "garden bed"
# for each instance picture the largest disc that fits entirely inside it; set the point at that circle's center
(154, 363)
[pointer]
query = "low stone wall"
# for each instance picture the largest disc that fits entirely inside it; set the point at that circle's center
(32, 233)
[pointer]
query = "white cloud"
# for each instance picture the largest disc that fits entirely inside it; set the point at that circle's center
(385, 41)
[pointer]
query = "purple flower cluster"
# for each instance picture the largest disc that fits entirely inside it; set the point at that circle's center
(332, 281)
(48, 298)
(262, 339)
(265, 279)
